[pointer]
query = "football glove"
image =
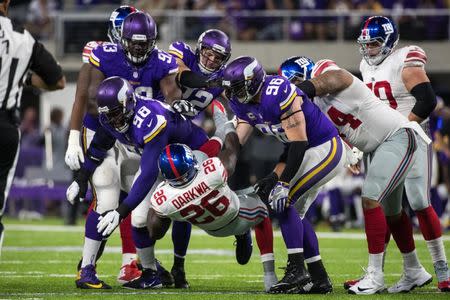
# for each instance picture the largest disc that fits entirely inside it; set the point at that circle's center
(184, 107)
(278, 198)
(77, 190)
(74, 153)
(108, 223)
(223, 125)
(265, 185)
(353, 155)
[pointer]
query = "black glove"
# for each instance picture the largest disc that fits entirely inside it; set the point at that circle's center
(264, 186)
(215, 82)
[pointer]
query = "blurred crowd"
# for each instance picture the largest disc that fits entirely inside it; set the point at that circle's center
(38, 16)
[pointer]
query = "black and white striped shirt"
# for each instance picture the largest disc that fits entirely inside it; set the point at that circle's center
(20, 52)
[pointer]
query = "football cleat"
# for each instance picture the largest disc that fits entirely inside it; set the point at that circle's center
(444, 286)
(322, 286)
(270, 279)
(296, 280)
(87, 279)
(148, 280)
(371, 283)
(349, 283)
(129, 272)
(244, 247)
(411, 278)
(164, 275)
(179, 278)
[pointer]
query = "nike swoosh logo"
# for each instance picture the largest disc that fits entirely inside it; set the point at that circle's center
(362, 290)
(150, 124)
(285, 90)
(95, 286)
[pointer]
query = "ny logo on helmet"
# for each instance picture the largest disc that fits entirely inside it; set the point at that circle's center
(388, 28)
(302, 62)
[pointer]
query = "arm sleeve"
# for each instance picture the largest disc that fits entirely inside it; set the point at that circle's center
(294, 160)
(101, 143)
(45, 65)
(191, 80)
(426, 100)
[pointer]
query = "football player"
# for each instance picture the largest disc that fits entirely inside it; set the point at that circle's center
(392, 146)
(146, 126)
(75, 154)
(217, 209)
(277, 108)
(397, 76)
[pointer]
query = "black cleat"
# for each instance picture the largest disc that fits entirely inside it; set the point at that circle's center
(164, 275)
(322, 286)
(296, 280)
(179, 278)
(148, 280)
(244, 247)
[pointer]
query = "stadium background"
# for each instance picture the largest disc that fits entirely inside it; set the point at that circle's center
(270, 30)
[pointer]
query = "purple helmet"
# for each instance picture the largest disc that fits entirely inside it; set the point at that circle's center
(217, 42)
(116, 20)
(138, 36)
(243, 78)
(115, 100)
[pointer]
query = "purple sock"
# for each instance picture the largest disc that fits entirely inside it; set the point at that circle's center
(436, 201)
(336, 202)
(310, 242)
(141, 237)
(291, 228)
(90, 230)
(181, 234)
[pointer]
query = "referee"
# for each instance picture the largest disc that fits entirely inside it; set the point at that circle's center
(19, 53)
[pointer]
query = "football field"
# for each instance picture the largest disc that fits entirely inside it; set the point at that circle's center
(39, 261)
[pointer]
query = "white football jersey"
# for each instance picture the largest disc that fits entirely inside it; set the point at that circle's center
(385, 79)
(361, 118)
(207, 201)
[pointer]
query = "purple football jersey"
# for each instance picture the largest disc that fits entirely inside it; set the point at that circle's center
(111, 61)
(201, 98)
(277, 95)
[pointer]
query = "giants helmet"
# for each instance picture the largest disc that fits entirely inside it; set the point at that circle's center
(116, 20)
(115, 100)
(138, 36)
(217, 41)
(296, 69)
(379, 30)
(243, 78)
(178, 164)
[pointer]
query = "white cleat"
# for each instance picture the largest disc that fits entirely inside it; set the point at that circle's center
(269, 280)
(371, 283)
(411, 278)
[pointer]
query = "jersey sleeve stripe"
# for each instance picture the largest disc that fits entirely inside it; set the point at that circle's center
(177, 53)
(154, 133)
(322, 67)
(95, 63)
(415, 55)
(288, 102)
(173, 71)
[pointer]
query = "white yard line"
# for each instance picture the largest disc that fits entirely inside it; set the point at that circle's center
(61, 228)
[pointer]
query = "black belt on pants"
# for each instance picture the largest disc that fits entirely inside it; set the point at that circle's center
(11, 116)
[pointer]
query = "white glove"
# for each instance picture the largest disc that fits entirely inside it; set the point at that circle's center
(185, 108)
(278, 198)
(108, 223)
(223, 125)
(74, 153)
(353, 155)
(72, 192)
(78, 188)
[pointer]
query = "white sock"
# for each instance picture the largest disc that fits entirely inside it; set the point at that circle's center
(147, 257)
(376, 261)
(90, 250)
(411, 260)
(268, 262)
(127, 258)
(436, 249)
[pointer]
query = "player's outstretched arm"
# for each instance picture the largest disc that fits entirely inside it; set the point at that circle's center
(157, 226)
(329, 82)
(229, 154)
(170, 89)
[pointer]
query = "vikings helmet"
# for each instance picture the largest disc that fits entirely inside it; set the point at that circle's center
(115, 100)
(219, 43)
(116, 20)
(178, 164)
(380, 30)
(243, 78)
(138, 36)
(296, 69)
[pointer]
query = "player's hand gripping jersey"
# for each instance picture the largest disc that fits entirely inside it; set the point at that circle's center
(385, 79)
(363, 120)
(207, 201)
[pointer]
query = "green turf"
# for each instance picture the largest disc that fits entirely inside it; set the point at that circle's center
(49, 273)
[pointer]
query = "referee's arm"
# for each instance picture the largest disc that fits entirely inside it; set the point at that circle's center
(47, 73)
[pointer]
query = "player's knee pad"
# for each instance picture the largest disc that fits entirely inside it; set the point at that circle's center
(139, 215)
(106, 185)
